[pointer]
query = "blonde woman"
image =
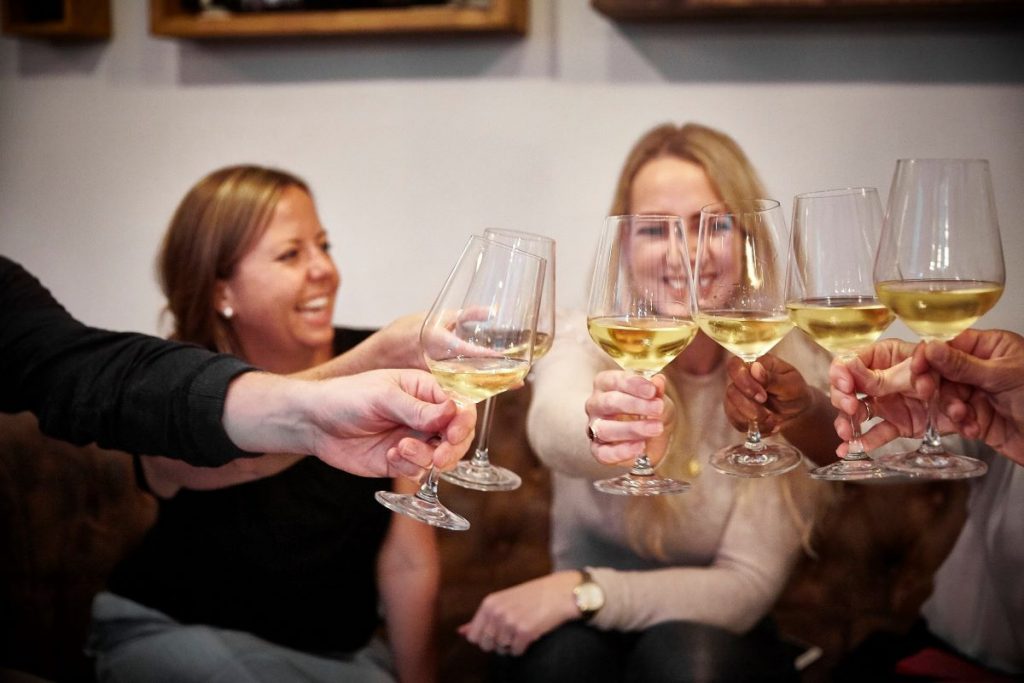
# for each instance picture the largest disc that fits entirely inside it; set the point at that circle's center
(276, 568)
(675, 587)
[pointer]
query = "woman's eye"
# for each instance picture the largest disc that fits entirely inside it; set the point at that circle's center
(325, 247)
(722, 224)
(655, 231)
(289, 255)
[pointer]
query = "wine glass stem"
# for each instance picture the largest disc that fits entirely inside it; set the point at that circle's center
(856, 448)
(480, 456)
(931, 444)
(642, 467)
(428, 489)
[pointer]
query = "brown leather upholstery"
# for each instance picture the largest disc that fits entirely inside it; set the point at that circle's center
(68, 513)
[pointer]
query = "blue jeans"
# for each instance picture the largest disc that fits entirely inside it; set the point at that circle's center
(133, 643)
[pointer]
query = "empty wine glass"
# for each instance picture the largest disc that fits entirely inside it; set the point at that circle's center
(830, 292)
(740, 268)
(640, 314)
(477, 340)
(477, 472)
(940, 268)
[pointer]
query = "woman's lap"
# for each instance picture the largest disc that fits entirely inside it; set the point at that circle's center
(674, 651)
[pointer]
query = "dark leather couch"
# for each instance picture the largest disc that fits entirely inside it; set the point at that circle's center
(68, 513)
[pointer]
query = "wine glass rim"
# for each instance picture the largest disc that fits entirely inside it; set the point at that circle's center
(652, 216)
(731, 206)
(942, 160)
(836, 192)
(517, 233)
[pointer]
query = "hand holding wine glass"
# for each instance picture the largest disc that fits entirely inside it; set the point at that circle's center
(477, 472)
(939, 267)
(740, 272)
(830, 292)
(640, 314)
(477, 340)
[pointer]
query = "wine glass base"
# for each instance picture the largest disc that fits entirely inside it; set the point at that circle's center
(934, 465)
(771, 460)
(633, 485)
(853, 470)
(413, 506)
(482, 478)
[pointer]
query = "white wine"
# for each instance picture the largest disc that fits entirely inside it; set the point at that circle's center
(643, 345)
(541, 344)
(843, 325)
(474, 379)
(939, 309)
(748, 334)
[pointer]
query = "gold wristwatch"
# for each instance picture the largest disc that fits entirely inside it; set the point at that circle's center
(589, 596)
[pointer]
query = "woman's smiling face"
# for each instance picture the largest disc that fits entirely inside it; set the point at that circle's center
(283, 290)
(673, 186)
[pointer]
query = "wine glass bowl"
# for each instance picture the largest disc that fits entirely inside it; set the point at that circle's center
(477, 341)
(830, 292)
(640, 313)
(740, 270)
(939, 267)
(477, 472)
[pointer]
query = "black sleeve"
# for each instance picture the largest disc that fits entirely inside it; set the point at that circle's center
(122, 390)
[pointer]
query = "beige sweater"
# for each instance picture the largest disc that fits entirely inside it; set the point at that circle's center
(736, 540)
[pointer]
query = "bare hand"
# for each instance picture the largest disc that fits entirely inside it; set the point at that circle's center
(629, 415)
(770, 391)
(509, 621)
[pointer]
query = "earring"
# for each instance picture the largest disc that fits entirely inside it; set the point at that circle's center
(227, 312)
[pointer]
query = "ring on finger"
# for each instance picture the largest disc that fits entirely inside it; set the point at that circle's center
(592, 433)
(866, 402)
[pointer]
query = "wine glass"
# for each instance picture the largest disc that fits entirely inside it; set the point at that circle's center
(830, 292)
(477, 472)
(477, 341)
(940, 268)
(640, 314)
(740, 270)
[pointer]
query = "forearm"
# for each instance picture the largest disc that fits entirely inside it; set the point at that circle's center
(412, 628)
(270, 413)
(733, 597)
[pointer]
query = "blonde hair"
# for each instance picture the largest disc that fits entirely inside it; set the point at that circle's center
(729, 172)
(214, 226)
(732, 177)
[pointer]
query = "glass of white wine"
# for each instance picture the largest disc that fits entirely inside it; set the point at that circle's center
(477, 340)
(740, 272)
(641, 314)
(830, 292)
(477, 472)
(939, 267)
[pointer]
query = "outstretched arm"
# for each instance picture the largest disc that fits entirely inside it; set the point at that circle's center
(377, 424)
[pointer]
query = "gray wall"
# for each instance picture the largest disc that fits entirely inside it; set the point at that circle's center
(412, 144)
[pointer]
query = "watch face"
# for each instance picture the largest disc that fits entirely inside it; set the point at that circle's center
(589, 597)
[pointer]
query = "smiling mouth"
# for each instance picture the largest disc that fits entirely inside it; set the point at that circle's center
(315, 305)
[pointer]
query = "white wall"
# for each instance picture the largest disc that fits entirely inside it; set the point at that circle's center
(411, 144)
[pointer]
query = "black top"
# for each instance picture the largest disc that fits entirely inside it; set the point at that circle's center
(127, 391)
(290, 558)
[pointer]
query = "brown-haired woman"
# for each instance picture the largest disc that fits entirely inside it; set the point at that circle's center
(673, 587)
(270, 568)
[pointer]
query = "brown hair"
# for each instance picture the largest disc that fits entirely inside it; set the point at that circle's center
(730, 173)
(216, 223)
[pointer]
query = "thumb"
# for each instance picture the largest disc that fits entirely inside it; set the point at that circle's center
(420, 415)
(897, 379)
(956, 365)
